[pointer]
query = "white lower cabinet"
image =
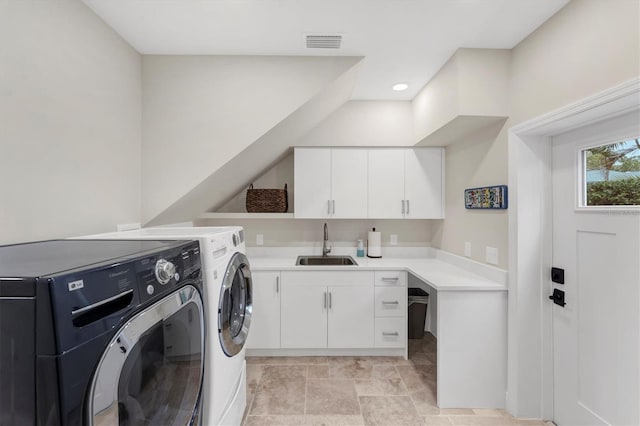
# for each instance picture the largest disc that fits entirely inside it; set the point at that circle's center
(327, 310)
(350, 317)
(390, 332)
(315, 310)
(264, 330)
(391, 309)
(304, 315)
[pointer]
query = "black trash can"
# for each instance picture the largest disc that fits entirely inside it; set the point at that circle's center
(418, 300)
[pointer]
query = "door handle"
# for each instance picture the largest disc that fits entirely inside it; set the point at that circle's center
(402, 206)
(407, 206)
(328, 206)
(277, 284)
(330, 300)
(333, 206)
(558, 297)
(325, 300)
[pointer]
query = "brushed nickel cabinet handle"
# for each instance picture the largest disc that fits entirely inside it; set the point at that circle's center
(387, 302)
(386, 333)
(277, 284)
(325, 300)
(407, 206)
(333, 206)
(402, 206)
(328, 206)
(390, 278)
(330, 301)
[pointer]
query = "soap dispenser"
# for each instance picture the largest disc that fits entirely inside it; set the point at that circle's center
(360, 252)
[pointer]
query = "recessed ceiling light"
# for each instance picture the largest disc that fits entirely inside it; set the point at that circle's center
(399, 87)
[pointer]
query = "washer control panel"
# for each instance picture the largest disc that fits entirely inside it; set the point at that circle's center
(165, 271)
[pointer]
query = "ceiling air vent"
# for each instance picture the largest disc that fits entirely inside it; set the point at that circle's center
(324, 41)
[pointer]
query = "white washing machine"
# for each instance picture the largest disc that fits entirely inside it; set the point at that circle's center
(227, 304)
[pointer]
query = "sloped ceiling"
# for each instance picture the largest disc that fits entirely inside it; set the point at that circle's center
(247, 161)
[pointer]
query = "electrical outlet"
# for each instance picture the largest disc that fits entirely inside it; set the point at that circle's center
(491, 255)
(467, 249)
(393, 240)
(259, 239)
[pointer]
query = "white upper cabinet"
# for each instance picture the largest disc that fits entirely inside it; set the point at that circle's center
(386, 183)
(312, 178)
(348, 183)
(376, 183)
(330, 183)
(423, 183)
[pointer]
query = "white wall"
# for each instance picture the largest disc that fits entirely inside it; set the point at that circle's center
(70, 111)
(365, 123)
(471, 163)
(472, 85)
(200, 112)
(342, 233)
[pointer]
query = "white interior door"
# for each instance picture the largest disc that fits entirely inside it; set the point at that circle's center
(596, 335)
(349, 183)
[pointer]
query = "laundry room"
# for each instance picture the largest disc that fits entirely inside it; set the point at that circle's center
(353, 212)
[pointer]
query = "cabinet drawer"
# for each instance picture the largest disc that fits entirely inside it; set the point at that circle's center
(327, 278)
(390, 332)
(391, 278)
(391, 301)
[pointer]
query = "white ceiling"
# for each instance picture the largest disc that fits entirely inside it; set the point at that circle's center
(401, 40)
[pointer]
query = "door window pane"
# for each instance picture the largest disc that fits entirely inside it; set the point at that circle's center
(612, 174)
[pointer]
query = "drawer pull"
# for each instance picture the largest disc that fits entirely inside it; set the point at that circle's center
(387, 302)
(390, 278)
(388, 333)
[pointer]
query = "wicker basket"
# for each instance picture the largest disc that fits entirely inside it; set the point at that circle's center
(267, 200)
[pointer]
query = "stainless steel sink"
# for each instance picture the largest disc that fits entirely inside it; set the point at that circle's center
(325, 261)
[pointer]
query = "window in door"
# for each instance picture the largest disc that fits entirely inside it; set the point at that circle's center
(611, 174)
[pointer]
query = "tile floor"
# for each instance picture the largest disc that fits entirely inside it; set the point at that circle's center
(356, 391)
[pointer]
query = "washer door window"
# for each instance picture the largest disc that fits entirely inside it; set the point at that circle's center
(151, 373)
(234, 311)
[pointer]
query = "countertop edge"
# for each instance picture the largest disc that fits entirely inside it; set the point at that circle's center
(489, 286)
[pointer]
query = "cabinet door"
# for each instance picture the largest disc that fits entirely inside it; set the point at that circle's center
(304, 315)
(349, 183)
(312, 178)
(264, 331)
(386, 183)
(423, 183)
(351, 318)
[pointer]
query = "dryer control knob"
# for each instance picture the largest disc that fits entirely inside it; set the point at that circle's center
(165, 270)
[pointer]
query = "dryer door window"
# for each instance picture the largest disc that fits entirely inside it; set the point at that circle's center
(152, 371)
(234, 311)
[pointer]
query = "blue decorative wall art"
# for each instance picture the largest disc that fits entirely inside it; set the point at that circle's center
(487, 198)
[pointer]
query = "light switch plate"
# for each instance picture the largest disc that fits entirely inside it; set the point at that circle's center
(259, 239)
(467, 249)
(491, 255)
(393, 240)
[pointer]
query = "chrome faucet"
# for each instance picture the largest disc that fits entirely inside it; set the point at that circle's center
(325, 240)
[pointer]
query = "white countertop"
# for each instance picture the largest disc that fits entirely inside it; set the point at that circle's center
(439, 274)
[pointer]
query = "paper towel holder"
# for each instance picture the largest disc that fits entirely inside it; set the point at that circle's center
(375, 251)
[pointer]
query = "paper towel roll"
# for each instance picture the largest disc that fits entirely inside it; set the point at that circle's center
(374, 244)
